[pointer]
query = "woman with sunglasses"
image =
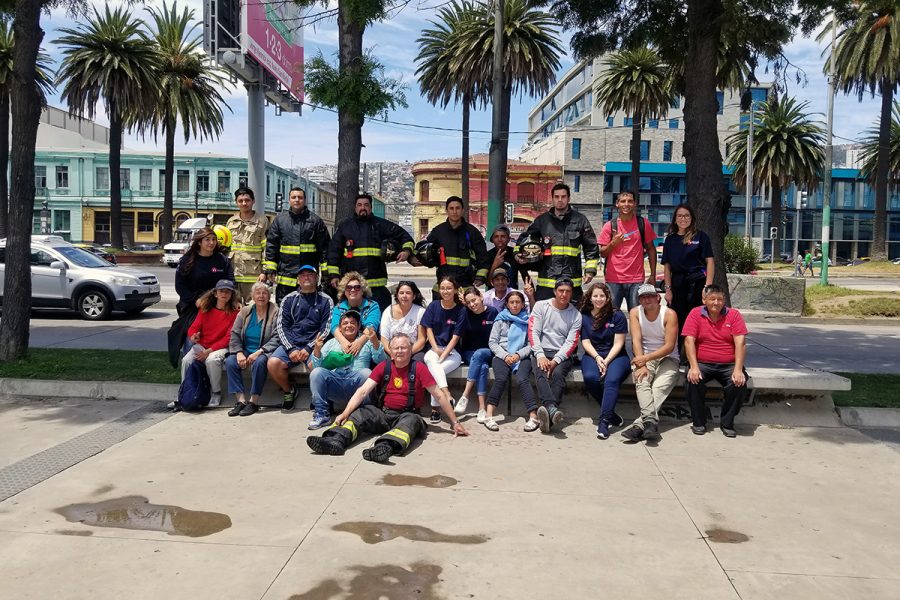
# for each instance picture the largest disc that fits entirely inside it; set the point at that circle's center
(405, 316)
(353, 293)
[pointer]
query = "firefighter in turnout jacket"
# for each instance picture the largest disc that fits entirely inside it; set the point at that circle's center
(565, 234)
(296, 238)
(359, 244)
(463, 253)
(248, 238)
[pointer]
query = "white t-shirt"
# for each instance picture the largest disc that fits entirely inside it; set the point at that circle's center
(408, 324)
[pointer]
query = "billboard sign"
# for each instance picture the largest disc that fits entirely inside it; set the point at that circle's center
(273, 35)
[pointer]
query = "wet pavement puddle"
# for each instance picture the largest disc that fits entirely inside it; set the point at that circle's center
(77, 532)
(380, 581)
(137, 513)
(724, 536)
(435, 481)
(376, 532)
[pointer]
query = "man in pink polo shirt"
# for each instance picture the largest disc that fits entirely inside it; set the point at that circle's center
(716, 347)
(622, 244)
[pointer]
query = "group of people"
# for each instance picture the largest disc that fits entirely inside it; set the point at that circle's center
(802, 264)
(372, 356)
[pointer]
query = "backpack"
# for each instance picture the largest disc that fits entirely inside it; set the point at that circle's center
(386, 378)
(614, 229)
(195, 391)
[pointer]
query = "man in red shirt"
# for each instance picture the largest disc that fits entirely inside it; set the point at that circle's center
(622, 245)
(394, 414)
(716, 347)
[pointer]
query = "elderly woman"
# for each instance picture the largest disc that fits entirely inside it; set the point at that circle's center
(210, 333)
(511, 359)
(405, 316)
(353, 293)
(253, 338)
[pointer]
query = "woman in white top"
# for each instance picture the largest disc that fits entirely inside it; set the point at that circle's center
(405, 316)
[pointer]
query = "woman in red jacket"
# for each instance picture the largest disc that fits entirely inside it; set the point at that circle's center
(210, 333)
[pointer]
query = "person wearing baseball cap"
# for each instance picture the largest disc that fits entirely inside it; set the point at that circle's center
(501, 257)
(654, 342)
(496, 295)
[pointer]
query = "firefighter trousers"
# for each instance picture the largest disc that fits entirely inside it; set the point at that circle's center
(393, 425)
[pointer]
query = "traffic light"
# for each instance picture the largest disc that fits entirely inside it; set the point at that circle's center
(804, 199)
(508, 212)
(773, 233)
(279, 202)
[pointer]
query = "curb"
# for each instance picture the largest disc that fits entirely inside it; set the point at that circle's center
(883, 418)
(97, 390)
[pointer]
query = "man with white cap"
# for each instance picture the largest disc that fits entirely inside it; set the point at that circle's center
(654, 340)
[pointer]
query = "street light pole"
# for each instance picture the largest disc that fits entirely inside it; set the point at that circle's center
(829, 159)
(748, 214)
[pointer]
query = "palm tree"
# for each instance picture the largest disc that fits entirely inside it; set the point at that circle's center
(443, 77)
(788, 147)
(45, 86)
(638, 83)
(867, 58)
(870, 151)
(188, 90)
(109, 57)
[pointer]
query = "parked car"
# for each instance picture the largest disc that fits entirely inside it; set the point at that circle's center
(784, 257)
(817, 262)
(98, 251)
(145, 247)
(64, 276)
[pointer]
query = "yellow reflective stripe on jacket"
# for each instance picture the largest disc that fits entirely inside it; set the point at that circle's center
(364, 251)
(289, 281)
(379, 282)
(332, 270)
(481, 273)
(564, 251)
(401, 436)
(245, 278)
(302, 248)
(551, 283)
(244, 248)
(409, 246)
(458, 262)
(351, 427)
(269, 265)
(591, 265)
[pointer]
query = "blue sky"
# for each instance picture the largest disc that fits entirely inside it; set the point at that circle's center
(312, 138)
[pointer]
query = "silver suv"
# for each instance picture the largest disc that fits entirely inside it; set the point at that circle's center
(64, 276)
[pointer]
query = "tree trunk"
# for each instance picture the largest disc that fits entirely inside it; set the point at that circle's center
(115, 185)
(350, 38)
(25, 100)
(636, 157)
(706, 189)
(165, 219)
(467, 108)
(4, 160)
(776, 219)
(882, 167)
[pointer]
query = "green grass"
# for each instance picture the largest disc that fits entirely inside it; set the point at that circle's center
(141, 366)
(819, 300)
(870, 390)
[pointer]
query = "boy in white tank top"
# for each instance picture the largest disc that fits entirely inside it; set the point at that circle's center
(654, 338)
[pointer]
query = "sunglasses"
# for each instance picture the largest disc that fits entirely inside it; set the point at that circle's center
(353, 288)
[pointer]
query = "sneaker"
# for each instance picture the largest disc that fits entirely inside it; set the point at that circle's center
(319, 421)
(249, 409)
(236, 410)
(171, 405)
(461, 405)
(491, 424)
(651, 430)
(435, 417)
(616, 420)
(482, 416)
(287, 401)
(698, 429)
(603, 429)
(557, 417)
(379, 453)
(634, 433)
(215, 399)
(325, 445)
(531, 425)
(543, 419)
(728, 432)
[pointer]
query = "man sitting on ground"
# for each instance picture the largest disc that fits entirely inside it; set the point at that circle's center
(401, 386)
(715, 344)
(654, 338)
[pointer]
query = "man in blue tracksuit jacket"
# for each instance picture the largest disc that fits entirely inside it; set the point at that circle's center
(305, 314)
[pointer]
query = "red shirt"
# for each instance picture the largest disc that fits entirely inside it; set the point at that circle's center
(396, 396)
(625, 264)
(214, 327)
(714, 341)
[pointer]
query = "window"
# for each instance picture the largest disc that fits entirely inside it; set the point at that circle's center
(667, 151)
(146, 180)
(62, 220)
(268, 186)
(576, 148)
(525, 192)
(40, 177)
(101, 179)
(654, 124)
(203, 181)
(676, 102)
(423, 191)
(610, 122)
(224, 182)
(183, 180)
(145, 222)
(645, 149)
(162, 179)
(41, 258)
(124, 179)
(243, 179)
(101, 221)
(673, 123)
(62, 177)
(576, 187)
(720, 100)
(629, 122)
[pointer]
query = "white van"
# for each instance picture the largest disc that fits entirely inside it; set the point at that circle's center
(182, 240)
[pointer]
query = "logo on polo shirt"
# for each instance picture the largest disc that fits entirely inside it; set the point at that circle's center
(451, 322)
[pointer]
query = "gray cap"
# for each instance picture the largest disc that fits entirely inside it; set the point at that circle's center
(647, 289)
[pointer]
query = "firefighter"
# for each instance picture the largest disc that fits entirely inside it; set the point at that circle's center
(359, 244)
(248, 238)
(565, 233)
(297, 237)
(462, 252)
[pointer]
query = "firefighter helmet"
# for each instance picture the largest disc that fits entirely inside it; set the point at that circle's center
(428, 254)
(389, 250)
(531, 249)
(223, 234)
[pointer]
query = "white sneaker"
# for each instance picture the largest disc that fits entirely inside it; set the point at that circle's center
(482, 416)
(215, 399)
(170, 405)
(461, 404)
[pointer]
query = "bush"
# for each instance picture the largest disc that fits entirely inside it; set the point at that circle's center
(740, 257)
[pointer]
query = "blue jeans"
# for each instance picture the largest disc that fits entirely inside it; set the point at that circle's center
(258, 375)
(605, 390)
(624, 291)
(330, 388)
(479, 361)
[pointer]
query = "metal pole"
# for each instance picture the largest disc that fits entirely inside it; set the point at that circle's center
(496, 163)
(748, 215)
(798, 195)
(829, 159)
(256, 144)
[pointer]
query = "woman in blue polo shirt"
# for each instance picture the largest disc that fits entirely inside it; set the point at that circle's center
(444, 321)
(605, 363)
(689, 266)
(475, 352)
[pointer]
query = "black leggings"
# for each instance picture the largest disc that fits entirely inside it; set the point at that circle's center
(502, 372)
